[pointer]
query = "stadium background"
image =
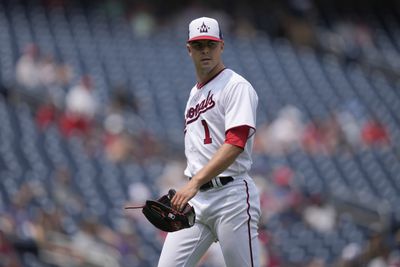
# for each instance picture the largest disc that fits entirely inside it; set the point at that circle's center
(91, 106)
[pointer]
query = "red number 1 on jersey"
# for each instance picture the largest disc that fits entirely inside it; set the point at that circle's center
(207, 139)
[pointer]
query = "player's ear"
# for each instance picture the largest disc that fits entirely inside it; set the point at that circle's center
(189, 49)
(222, 46)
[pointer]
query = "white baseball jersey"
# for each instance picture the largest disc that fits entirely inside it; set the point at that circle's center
(225, 102)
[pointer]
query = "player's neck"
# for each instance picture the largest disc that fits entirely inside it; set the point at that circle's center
(204, 77)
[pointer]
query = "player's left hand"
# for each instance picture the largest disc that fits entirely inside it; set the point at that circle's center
(183, 196)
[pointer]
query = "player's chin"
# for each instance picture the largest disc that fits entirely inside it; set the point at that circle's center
(206, 63)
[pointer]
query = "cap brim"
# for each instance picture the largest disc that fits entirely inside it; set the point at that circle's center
(205, 37)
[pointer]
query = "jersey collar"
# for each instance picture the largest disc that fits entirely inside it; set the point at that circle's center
(200, 85)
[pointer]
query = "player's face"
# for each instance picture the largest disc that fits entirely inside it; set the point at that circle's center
(206, 54)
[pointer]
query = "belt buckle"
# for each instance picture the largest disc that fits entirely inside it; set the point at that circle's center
(209, 185)
(218, 182)
(213, 183)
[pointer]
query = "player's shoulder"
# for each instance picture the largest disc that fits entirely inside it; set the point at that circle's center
(235, 81)
(234, 76)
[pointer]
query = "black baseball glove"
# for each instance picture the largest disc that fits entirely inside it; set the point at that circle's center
(162, 216)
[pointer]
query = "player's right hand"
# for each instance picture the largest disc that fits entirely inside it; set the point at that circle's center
(185, 194)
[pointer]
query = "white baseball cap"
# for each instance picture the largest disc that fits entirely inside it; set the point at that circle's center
(204, 29)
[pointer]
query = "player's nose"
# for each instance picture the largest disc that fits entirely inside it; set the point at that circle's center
(205, 49)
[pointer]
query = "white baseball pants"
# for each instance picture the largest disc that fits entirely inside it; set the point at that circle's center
(229, 215)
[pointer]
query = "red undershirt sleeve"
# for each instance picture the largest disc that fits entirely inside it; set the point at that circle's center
(237, 136)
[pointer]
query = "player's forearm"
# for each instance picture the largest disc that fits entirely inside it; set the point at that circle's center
(221, 160)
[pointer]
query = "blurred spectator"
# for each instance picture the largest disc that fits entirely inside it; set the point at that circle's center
(284, 133)
(118, 147)
(123, 100)
(376, 252)
(118, 144)
(333, 135)
(283, 176)
(138, 193)
(80, 108)
(23, 232)
(349, 48)
(27, 67)
(324, 136)
(47, 114)
(47, 70)
(53, 77)
(122, 126)
(320, 214)
(378, 262)
(245, 29)
(273, 259)
(349, 255)
(80, 99)
(350, 128)
(363, 38)
(63, 193)
(375, 133)
(394, 258)
(28, 78)
(312, 139)
(280, 193)
(299, 31)
(8, 256)
(142, 20)
(129, 245)
(65, 74)
(172, 175)
(53, 241)
(341, 39)
(148, 146)
(87, 242)
(260, 143)
(316, 262)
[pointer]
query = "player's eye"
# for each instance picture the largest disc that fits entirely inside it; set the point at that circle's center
(197, 45)
(212, 44)
(202, 45)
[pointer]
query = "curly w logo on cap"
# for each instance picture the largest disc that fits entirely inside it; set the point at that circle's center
(204, 29)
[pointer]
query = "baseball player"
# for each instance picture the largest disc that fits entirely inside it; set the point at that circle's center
(220, 121)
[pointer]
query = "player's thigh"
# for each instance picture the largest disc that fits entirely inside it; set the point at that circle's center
(238, 229)
(241, 248)
(184, 248)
